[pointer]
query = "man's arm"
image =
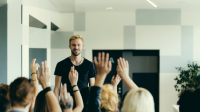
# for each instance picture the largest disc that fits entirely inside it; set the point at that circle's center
(92, 81)
(57, 86)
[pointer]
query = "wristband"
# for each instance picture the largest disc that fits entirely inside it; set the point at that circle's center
(66, 105)
(74, 86)
(34, 79)
(33, 73)
(47, 90)
(75, 91)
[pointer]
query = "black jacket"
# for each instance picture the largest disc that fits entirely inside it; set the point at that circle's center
(94, 100)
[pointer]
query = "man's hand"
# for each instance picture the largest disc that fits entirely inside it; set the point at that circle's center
(103, 65)
(66, 100)
(115, 80)
(45, 75)
(34, 67)
(73, 76)
(122, 68)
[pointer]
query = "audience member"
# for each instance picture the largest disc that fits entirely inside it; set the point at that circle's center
(21, 92)
(49, 103)
(185, 100)
(73, 78)
(4, 102)
(195, 101)
(137, 99)
(109, 99)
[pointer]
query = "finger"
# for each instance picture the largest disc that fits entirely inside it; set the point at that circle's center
(76, 73)
(107, 58)
(113, 77)
(45, 66)
(121, 61)
(102, 58)
(109, 65)
(124, 62)
(127, 65)
(95, 60)
(42, 67)
(33, 62)
(99, 58)
(73, 71)
(37, 72)
(65, 88)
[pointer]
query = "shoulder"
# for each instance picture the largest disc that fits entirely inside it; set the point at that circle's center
(64, 61)
(88, 62)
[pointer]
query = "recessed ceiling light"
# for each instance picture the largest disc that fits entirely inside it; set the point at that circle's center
(109, 7)
(152, 3)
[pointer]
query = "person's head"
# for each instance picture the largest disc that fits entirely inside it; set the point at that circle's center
(21, 92)
(185, 100)
(4, 102)
(195, 100)
(41, 103)
(109, 99)
(76, 44)
(4, 89)
(138, 100)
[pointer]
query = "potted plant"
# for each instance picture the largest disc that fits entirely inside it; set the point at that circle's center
(189, 78)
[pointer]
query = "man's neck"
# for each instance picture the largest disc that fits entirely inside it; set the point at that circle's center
(75, 58)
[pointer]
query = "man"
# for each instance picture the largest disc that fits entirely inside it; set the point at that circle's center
(85, 68)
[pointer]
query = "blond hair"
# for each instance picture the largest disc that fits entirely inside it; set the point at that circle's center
(109, 98)
(75, 37)
(138, 100)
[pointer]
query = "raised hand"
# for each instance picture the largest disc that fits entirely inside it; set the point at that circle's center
(73, 76)
(45, 75)
(34, 67)
(66, 100)
(122, 68)
(103, 65)
(115, 80)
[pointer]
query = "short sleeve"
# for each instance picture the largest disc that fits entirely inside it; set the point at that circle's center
(92, 71)
(58, 70)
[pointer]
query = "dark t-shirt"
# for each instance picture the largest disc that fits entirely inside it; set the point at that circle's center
(85, 71)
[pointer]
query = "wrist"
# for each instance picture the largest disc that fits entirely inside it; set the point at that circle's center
(73, 84)
(45, 86)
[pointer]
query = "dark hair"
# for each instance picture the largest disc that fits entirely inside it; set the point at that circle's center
(21, 92)
(196, 100)
(41, 103)
(4, 89)
(4, 102)
(185, 100)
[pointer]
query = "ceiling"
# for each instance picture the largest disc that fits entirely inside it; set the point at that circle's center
(3, 2)
(122, 5)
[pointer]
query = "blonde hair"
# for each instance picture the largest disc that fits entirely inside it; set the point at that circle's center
(109, 98)
(138, 100)
(75, 37)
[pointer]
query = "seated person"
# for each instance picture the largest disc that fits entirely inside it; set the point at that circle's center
(185, 99)
(4, 102)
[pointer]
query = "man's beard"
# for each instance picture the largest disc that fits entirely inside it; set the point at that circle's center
(75, 53)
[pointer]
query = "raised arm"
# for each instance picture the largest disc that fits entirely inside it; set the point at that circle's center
(57, 86)
(123, 71)
(103, 67)
(73, 78)
(44, 78)
(35, 73)
(115, 81)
